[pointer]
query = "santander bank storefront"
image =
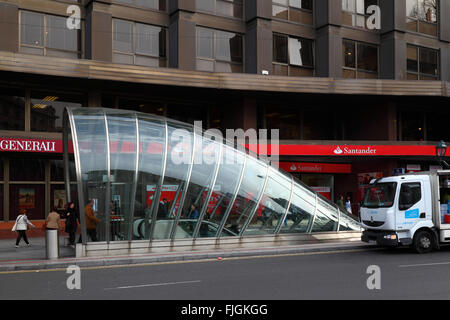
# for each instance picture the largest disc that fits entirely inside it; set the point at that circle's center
(336, 170)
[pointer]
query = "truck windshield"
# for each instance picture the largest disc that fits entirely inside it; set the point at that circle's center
(380, 195)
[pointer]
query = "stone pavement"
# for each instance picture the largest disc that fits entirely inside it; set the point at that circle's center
(34, 257)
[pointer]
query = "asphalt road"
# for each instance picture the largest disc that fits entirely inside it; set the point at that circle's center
(403, 275)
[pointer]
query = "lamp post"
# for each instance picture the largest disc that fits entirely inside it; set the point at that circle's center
(441, 149)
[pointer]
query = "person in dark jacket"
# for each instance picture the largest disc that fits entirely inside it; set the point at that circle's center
(71, 222)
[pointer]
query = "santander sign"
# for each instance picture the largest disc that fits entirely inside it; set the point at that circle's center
(354, 150)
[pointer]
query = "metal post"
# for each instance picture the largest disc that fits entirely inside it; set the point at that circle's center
(52, 244)
(108, 183)
(315, 214)
(136, 172)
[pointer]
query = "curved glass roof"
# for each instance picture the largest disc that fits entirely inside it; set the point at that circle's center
(154, 178)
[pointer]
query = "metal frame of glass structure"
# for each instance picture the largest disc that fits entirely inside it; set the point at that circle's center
(239, 198)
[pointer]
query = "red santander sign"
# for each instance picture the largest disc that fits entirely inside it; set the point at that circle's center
(315, 167)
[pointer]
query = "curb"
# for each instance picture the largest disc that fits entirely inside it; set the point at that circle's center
(38, 265)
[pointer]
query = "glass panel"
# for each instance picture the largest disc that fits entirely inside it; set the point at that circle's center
(59, 36)
(205, 43)
(146, 61)
(12, 109)
(123, 58)
(367, 58)
(27, 170)
(205, 5)
(272, 207)
(122, 137)
(326, 217)
(58, 197)
(123, 36)
(367, 75)
(225, 187)
(411, 8)
(300, 52)
(411, 25)
(228, 46)
(177, 169)
(428, 61)
(413, 61)
(349, 54)
(280, 12)
(248, 195)
(47, 109)
(428, 28)
(280, 48)
(205, 65)
(57, 170)
(300, 212)
(151, 157)
(147, 39)
(205, 162)
(32, 28)
(1, 202)
(91, 135)
(300, 72)
(348, 74)
(280, 70)
(348, 223)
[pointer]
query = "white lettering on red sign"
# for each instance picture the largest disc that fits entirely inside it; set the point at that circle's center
(27, 146)
(354, 151)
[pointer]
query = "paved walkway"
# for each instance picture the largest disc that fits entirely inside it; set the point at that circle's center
(34, 257)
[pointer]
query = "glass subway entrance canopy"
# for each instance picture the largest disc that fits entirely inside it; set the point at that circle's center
(153, 178)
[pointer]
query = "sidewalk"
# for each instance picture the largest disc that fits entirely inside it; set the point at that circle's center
(33, 258)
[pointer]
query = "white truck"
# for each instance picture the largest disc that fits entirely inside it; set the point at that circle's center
(408, 210)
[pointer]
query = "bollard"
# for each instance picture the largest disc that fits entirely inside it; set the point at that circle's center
(52, 244)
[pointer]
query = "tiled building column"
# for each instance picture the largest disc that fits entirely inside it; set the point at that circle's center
(258, 39)
(328, 19)
(99, 40)
(182, 34)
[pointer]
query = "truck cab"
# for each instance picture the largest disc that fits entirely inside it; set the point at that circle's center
(407, 210)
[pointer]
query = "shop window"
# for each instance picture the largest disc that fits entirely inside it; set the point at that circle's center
(30, 197)
(293, 10)
(1, 170)
(47, 109)
(219, 51)
(12, 109)
(188, 113)
(410, 194)
(48, 35)
(1, 202)
(292, 56)
(318, 128)
(360, 60)
(411, 124)
(27, 169)
(139, 44)
(159, 5)
(421, 16)
(230, 8)
(422, 63)
(437, 125)
(354, 12)
(57, 170)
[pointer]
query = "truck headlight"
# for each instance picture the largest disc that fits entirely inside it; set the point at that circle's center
(391, 237)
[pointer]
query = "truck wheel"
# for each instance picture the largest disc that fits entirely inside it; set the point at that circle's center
(423, 242)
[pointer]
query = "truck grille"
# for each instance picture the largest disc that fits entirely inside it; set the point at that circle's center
(373, 223)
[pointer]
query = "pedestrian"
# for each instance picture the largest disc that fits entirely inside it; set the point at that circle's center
(194, 212)
(71, 222)
(348, 205)
(21, 226)
(91, 220)
(53, 221)
(340, 201)
(162, 209)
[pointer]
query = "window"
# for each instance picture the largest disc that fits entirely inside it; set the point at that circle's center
(421, 16)
(410, 194)
(292, 56)
(231, 8)
(380, 195)
(293, 10)
(360, 60)
(422, 63)
(47, 109)
(354, 12)
(139, 44)
(12, 109)
(147, 4)
(219, 51)
(48, 35)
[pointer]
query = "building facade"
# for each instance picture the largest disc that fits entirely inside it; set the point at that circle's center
(350, 102)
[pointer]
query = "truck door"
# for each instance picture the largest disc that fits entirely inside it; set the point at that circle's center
(411, 205)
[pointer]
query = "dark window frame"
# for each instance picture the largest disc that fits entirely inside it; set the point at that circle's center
(135, 5)
(289, 8)
(418, 20)
(44, 47)
(356, 69)
(288, 64)
(215, 12)
(407, 206)
(420, 74)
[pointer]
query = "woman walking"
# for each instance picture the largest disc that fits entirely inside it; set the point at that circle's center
(53, 220)
(71, 222)
(21, 227)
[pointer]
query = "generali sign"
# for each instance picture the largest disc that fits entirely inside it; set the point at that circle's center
(346, 150)
(30, 145)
